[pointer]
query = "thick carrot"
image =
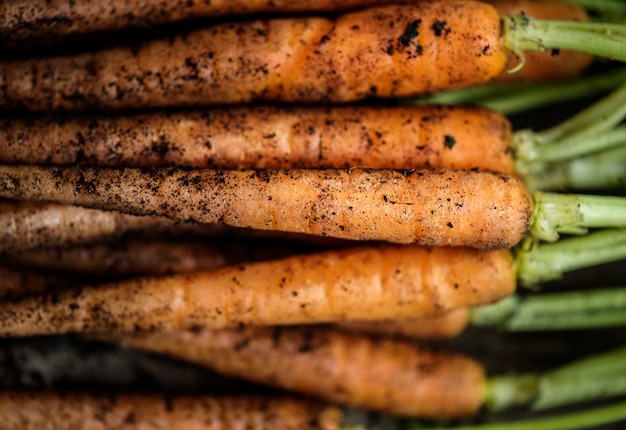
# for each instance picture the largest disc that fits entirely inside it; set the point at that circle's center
(553, 64)
(25, 410)
(362, 283)
(383, 52)
(378, 374)
(269, 137)
(30, 225)
(430, 207)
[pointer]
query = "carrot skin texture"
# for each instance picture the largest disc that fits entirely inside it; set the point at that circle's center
(25, 410)
(380, 374)
(390, 51)
(350, 284)
(458, 137)
(545, 66)
(429, 207)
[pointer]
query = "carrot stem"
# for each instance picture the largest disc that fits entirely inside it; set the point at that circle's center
(554, 214)
(590, 418)
(523, 33)
(603, 170)
(605, 7)
(514, 98)
(541, 262)
(602, 307)
(592, 378)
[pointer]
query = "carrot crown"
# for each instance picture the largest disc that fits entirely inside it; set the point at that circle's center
(523, 33)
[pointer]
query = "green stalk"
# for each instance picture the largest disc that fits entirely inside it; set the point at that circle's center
(523, 33)
(603, 170)
(554, 214)
(592, 378)
(541, 262)
(598, 307)
(513, 98)
(608, 7)
(572, 421)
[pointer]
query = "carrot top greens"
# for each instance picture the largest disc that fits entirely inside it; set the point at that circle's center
(523, 33)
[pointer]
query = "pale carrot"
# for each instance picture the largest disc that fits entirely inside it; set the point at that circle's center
(269, 137)
(429, 207)
(26, 410)
(389, 51)
(377, 374)
(349, 284)
(31, 225)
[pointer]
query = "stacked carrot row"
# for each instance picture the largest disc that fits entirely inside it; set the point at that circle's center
(390, 212)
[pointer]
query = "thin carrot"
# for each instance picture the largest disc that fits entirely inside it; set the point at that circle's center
(366, 283)
(362, 283)
(268, 137)
(400, 51)
(31, 225)
(430, 207)
(381, 374)
(25, 410)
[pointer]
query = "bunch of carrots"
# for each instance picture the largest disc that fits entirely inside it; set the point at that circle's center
(264, 194)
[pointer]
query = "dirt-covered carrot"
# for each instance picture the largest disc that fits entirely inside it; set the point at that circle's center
(30, 225)
(430, 207)
(571, 310)
(16, 283)
(29, 410)
(268, 137)
(333, 137)
(389, 51)
(382, 374)
(368, 283)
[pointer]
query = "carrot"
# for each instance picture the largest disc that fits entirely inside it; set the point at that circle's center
(268, 137)
(26, 410)
(365, 283)
(31, 225)
(400, 51)
(376, 374)
(16, 283)
(357, 283)
(431, 207)
(334, 137)
(570, 310)
(381, 374)
(148, 257)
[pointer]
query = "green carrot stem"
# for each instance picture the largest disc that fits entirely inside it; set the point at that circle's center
(512, 98)
(598, 307)
(603, 6)
(541, 262)
(603, 170)
(597, 377)
(523, 33)
(571, 421)
(555, 213)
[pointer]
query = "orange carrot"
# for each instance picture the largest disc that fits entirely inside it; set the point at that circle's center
(269, 137)
(349, 284)
(30, 225)
(379, 374)
(429, 207)
(26, 410)
(386, 51)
